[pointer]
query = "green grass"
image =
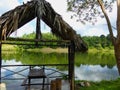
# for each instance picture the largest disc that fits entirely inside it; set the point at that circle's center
(103, 85)
(92, 57)
(7, 47)
(105, 50)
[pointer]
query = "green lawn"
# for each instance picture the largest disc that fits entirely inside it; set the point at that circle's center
(7, 47)
(103, 85)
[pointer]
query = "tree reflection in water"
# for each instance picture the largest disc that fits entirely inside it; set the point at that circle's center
(89, 66)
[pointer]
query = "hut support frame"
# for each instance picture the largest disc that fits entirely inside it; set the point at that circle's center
(70, 45)
(38, 30)
(71, 56)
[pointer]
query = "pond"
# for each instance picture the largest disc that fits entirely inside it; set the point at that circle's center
(88, 66)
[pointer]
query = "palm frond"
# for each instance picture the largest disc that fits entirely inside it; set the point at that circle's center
(16, 18)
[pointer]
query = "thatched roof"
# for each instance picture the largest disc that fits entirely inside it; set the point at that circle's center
(16, 18)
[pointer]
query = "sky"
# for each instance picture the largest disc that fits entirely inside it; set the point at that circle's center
(60, 6)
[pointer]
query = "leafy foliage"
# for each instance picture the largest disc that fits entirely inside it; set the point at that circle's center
(45, 36)
(98, 42)
(88, 10)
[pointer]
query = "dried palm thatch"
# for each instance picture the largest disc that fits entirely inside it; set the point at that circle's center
(16, 18)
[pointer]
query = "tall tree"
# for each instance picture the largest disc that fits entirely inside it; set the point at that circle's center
(88, 10)
(115, 41)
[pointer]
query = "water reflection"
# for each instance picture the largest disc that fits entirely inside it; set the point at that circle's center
(97, 58)
(90, 66)
(24, 70)
(96, 72)
(11, 72)
(83, 72)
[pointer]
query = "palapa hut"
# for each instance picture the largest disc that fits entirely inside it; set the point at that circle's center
(16, 18)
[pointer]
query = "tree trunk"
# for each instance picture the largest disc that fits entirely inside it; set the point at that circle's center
(108, 21)
(117, 56)
(115, 42)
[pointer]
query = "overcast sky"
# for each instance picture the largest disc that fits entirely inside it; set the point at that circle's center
(60, 7)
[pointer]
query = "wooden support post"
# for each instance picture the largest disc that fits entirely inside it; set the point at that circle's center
(0, 59)
(0, 51)
(53, 85)
(38, 31)
(58, 84)
(69, 67)
(71, 56)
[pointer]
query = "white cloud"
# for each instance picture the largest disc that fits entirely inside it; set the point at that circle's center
(95, 32)
(26, 29)
(95, 72)
(113, 14)
(25, 1)
(99, 28)
(6, 5)
(29, 28)
(60, 7)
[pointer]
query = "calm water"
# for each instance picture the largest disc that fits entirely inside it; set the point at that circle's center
(89, 66)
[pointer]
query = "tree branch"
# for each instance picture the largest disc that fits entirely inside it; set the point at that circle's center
(108, 21)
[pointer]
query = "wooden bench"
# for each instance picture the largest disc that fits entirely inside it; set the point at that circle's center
(34, 74)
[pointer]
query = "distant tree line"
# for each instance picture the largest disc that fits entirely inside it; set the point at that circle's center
(46, 36)
(98, 42)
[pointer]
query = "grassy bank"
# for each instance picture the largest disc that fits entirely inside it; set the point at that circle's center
(49, 50)
(103, 85)
(105, 50)
(7, 47)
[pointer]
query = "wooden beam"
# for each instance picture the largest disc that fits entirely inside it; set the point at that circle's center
(71, 56)
(36, 40)
(36, 65)
(0, 50)
(38, 30)
(0, 59)
(41, 44)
